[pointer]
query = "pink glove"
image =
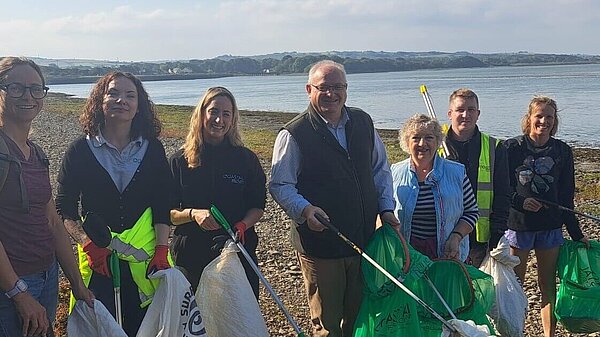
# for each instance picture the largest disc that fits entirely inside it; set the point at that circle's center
(159, 260)
(241, 227)
(98, 258)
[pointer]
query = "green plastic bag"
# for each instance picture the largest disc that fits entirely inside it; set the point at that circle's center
(578, 299)
(469, 292)
(386, 310)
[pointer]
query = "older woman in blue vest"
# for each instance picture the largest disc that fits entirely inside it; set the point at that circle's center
(434, 199)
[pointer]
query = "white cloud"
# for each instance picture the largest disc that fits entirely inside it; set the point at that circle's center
(185, 29)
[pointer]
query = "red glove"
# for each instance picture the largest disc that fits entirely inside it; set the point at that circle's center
(159, 261)
(241, 227)
(98, 258)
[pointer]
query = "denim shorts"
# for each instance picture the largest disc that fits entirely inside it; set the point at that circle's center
(535, 239)
(43, 286)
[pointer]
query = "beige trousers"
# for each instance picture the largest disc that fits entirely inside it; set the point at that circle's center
(334, 290)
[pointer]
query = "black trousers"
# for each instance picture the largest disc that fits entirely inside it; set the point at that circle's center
(103, 289)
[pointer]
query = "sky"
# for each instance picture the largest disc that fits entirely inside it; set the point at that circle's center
(150, 30)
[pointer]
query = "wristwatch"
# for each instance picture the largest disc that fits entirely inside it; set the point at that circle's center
(20, 287)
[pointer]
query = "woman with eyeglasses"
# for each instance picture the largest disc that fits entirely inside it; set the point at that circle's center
(214, 168)
(32, 237)
(118, 172)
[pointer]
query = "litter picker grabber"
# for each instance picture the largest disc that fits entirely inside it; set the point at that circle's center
(100, 235)
(116, 278)
(440, 297)
(328, 224)
(214, 211)
(563, 208)
(431, 111)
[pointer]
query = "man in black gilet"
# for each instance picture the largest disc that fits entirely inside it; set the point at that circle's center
(330, 160)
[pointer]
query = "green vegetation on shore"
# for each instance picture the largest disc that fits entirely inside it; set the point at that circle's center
(294, 63)
(259, 130)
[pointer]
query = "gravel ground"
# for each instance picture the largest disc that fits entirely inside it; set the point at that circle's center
(276, 259)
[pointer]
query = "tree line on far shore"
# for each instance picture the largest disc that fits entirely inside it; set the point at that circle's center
(300, 63)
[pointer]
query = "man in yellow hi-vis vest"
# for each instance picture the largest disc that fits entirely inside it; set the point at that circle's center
(487, 168)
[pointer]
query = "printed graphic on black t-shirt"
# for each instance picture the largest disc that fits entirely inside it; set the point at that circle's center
(535, 173)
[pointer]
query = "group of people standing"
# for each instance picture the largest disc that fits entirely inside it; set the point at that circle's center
(115, 179)
(451, 201)
(329, 160)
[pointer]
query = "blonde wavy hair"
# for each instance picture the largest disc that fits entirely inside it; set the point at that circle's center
(416, 124)
(194, 141)
(539, 101)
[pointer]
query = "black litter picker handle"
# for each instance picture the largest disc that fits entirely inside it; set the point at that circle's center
(563, 208)
(331, 227)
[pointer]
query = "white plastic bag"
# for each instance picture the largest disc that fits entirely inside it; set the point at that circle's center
(466, 329)
(173, 311)
(97, 322)
(226, 300)
(510, 309)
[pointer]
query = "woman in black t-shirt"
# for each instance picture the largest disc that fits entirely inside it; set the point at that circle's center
(214, 168)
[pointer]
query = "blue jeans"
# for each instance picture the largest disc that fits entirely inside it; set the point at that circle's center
(43, 286)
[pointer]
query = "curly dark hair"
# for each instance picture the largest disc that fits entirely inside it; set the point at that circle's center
(145, 123)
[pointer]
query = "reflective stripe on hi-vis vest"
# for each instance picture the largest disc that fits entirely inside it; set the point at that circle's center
(485, 187)
(136, 246)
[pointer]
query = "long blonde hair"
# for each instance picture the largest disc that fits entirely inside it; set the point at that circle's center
(194, 141)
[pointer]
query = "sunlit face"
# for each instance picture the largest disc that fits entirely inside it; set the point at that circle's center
(541, 121)
(217, 121)
(422, 145)
(120, 103)
(331, 100)
(463, 114)
(25, 108)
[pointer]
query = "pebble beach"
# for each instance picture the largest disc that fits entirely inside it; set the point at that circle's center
(276, 258)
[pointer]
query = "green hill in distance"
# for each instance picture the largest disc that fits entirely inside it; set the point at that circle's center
(62, 71)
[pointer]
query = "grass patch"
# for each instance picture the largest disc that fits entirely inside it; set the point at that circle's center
(175, 120)
(591, 209)
(587, 185)
(392, 145)
(63, 104)
(260, 141)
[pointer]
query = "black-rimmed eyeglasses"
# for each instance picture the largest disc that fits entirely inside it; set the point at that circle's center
(17, 90)
(333, 88)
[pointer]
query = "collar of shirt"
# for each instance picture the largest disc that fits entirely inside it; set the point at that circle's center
(342, 123)
(99, 140)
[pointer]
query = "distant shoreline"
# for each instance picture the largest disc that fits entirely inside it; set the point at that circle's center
(195, 76)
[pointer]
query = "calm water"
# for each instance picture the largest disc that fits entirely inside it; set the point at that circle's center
(390, 98)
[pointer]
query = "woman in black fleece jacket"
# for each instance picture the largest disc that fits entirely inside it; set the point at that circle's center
(541, 168)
